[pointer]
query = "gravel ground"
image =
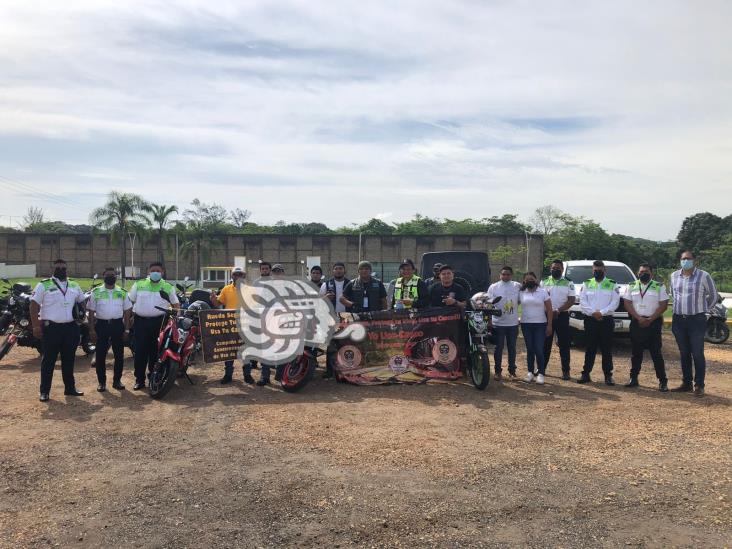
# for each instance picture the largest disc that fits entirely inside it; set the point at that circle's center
(439, 465)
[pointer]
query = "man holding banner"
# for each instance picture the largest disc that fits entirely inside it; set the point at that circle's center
(228, 298)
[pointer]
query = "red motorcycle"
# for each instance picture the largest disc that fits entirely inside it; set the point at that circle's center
(178, 344)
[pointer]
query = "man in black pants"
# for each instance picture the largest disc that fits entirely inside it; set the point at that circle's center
(646, 300)
(109, 320)
(52, 313)
(145, 294)
(599, 298)
(561, 291)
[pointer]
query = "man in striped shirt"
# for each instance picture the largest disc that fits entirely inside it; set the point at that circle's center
(694, 294)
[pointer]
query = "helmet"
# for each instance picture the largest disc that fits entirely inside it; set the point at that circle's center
(194, 308)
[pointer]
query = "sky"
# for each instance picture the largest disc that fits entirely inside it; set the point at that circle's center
(339, 112)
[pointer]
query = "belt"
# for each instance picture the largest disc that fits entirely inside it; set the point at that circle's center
(52, 323)
(109, 320)
(148, 317)
(689, 316)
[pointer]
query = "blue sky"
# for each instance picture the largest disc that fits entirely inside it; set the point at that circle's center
(304, 111)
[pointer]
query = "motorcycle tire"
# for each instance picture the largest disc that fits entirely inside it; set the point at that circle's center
(298, 373)
(5, 347)
(88, 348)
(162, 378)
(717, 332)
(479, 367)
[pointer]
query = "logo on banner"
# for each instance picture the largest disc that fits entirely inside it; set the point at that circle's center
(444, 351)
(398, 364)
(349, 357)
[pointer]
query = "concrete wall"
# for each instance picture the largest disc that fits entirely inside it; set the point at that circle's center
(87, 254)
(17, 271)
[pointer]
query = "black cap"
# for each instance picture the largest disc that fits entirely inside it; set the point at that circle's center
(407, 262)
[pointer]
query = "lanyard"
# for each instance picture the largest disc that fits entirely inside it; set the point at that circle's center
(63, 292)
(643, 293)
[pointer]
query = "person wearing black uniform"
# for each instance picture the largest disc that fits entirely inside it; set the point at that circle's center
(364, 293)
(447, 293)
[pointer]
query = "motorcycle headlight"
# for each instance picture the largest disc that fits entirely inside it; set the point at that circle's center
(24, 322)
(11, 301)
(181, 335)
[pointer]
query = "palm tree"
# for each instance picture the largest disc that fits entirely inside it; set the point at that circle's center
(201, 222)
(158, 217)
(121, 215)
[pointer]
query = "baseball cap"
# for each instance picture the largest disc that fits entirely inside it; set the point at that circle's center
(406, 262)
(237, 270)
(278, 267)
(364, 264)
(436, 266)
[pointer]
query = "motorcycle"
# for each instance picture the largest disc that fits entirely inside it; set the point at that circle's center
(6, 317)
(294, 375)
(478, 366)
(717, 329)
(20, 326)
(178, 344)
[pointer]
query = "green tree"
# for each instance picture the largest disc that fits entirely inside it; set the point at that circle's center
(200, 224)
(702, 231)
(580, 238)
(420, 224)
(158, 216)
(121, 215)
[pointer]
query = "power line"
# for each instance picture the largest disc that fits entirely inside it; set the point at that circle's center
(44, 194)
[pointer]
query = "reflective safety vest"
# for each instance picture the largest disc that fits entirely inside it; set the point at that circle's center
(147, 285)
(605, 285)
(653, 287)
(411, 289)
(101, 293)
(50, 285)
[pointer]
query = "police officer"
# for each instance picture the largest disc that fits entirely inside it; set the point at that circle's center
(364, 293)
(109, 323)
(562, 293)
(332, 289)
(53, 312)
(228, 298)
(410, 291)
(646, 300)
(599, 298)
(145, 294)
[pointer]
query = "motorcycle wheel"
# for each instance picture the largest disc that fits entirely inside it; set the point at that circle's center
(717, 332)
(162, 378)
(298, 373)
(480, 369)
(5, 347)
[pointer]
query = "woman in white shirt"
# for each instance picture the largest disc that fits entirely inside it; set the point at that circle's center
(536, 324)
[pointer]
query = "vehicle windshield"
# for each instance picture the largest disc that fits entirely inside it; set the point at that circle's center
(619, 273)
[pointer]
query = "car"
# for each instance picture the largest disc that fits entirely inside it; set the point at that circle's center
(472, 269)
(578, 271)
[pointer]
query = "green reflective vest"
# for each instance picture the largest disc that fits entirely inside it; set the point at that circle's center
(411, 289)
(148, 285)
(101, 293)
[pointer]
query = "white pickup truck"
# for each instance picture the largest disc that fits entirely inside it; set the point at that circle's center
(581, 270)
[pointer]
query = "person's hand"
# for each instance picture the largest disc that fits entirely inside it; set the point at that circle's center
(38, 331)
(92, 335)
(330, 295)
(126, 336)
(644, 322)
(548, 331)
(556, 313)
(597, 315)
(450, 301)
(406, 301)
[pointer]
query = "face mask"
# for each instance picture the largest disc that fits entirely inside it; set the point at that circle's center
(599, 275)
(645, 277)
(687, 264)
(156, 276)
(531, 284)
(60, 273)
(110, 280)
(556, 273)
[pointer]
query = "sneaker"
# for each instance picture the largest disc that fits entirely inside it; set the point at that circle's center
(512, 374)
(633, 382)
(248, 379)
(44, 397)
(584, 379)
(540, 379)
(536, 371)
(699, 390)
(529, 377)
(566, 376)
(663, 386)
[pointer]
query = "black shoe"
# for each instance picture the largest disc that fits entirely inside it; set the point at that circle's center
(248, 379)
(633, 382)
(278, 376)
(663, 386)
(225, 380)
(566, 376)
(683, 388)
(44, 397)
(118, 385)
(585, 378)
(262, 382)
(328, 374)
(609, 381)
(101, 387)
(699, 390)
(139, 386)
(512, 373)
(73, 393)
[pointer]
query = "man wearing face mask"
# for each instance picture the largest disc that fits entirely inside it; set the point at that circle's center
(561, 291)
(646, 300)
(145, 294)
(109, 323)
(228, 298)
(52, 314)
(333, 290)
(599, 298)
(694, 294)
(506, 326)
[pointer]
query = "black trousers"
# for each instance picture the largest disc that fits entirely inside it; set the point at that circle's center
(59, 339)
(599, 333)
(560, 328)
(650, 338)
(110, 333)
(147, 330)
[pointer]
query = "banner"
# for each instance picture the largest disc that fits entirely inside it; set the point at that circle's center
(219, 335)
(411, 347)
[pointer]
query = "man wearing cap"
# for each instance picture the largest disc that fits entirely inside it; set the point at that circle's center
(228, 298)
(447, 293)
(410, 291)
(435, 276)
(364, 293)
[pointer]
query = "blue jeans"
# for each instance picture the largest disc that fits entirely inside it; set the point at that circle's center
(534, 337)
(507, 334)
(689, 333)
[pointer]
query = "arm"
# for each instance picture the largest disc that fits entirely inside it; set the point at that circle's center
(571, 299)
(614, 302)
(662, 306)
(346, 297)
(549, 315)
(215, 299)
(586, 309)
(711, 289)
(35, 311)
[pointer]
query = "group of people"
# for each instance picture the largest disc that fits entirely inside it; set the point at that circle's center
(544, 317)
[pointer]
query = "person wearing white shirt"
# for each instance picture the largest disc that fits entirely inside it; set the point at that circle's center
(505, 327)
(646, 300)
(562, 293)
(599, 298)
(333, 290)
(53, 311)
(536, 324)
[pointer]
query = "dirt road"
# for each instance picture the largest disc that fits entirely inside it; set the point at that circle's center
(440, 465)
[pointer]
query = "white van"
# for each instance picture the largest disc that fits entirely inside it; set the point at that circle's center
(580, 271)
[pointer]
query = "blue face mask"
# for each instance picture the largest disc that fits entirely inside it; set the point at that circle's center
(687, 264)
(156, 276)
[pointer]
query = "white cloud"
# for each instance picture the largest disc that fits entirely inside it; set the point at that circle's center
(459, 109)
